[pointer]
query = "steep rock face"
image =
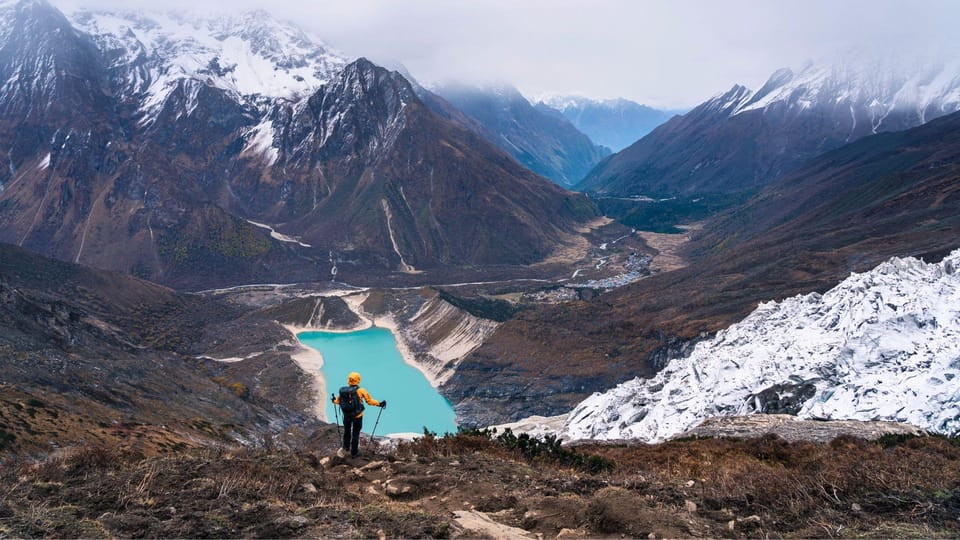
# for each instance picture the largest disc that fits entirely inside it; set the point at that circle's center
(547, 145)
(193, 168)
(442, 335)
(742, 140)
(882, 345)
(613, 123)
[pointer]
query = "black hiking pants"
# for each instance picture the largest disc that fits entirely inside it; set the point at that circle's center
(351, 434)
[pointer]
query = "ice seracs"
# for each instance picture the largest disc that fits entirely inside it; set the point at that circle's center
(882, 345)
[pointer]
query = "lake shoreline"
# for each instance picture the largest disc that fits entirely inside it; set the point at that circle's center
(375, 353)
(311, 360)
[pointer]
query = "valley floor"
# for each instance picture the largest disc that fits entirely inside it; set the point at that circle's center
(482, 486)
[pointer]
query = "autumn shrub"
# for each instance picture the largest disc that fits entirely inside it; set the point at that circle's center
(239, 389)
(548, 449)
(795, 480)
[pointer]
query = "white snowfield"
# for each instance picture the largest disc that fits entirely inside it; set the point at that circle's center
(250, 55)
(882, 345)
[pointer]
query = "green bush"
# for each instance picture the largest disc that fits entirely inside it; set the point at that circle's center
(549, 448)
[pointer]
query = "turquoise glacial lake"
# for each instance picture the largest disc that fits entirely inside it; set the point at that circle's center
(412, 403)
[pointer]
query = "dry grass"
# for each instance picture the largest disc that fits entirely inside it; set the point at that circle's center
(808, 488)
(900, 487)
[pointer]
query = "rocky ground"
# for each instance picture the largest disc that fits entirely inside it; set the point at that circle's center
(494, 486)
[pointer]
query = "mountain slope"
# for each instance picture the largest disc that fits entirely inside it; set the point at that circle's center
(614, 123)
(884, 196)
(741, 140)
(895, 185)
(547, 145)
(882, 345)
(100, 356)
(207, 157)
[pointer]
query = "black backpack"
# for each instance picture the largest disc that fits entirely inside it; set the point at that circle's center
(350, 402)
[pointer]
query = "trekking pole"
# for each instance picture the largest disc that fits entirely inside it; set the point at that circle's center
(375, 427)
(336, 415)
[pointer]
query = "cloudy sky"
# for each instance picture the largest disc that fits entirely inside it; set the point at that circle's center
(668, 53)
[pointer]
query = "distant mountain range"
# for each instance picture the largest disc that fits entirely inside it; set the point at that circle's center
(547, 144)
(742, 139)
(202, 153)
(614, 123)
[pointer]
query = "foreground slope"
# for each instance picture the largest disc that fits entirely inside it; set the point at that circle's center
(742, 139)
(885, 196)
(468, 486)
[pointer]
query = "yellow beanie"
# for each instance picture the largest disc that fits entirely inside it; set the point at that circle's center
(353, 378)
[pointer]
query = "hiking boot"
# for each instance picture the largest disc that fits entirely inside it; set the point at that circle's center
(355, 456)
(341, 452)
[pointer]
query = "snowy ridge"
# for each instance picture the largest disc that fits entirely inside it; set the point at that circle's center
(251, 56)
(882, 345)
(562, 102)
(920, 90)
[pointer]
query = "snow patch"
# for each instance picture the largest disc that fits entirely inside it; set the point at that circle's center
(882, 345)
(278, 236)
(260, 142)
(393, 240)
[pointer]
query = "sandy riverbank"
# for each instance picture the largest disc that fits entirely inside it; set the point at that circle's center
(310, 361)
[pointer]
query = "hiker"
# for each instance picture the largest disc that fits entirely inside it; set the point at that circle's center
(352, 407)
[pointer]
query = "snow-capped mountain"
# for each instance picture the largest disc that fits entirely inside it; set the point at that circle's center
(614, 123)
(744, 139)
(869, 91)
(252, 56)
(204, 152)
(881, 345)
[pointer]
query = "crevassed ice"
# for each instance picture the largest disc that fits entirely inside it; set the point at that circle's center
(882, 345)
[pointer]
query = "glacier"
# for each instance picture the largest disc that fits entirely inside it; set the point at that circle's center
(881, 345)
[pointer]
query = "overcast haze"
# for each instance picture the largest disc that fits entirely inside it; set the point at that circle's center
(666, 54)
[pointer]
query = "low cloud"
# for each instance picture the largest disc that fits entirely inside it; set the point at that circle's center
(669, 54)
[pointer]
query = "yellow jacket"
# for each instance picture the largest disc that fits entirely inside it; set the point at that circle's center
(353, 380)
